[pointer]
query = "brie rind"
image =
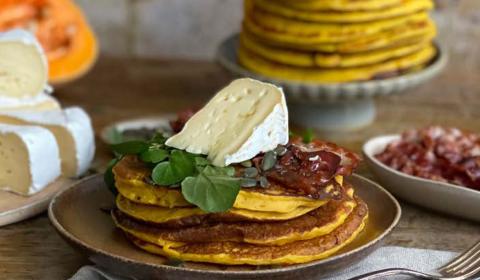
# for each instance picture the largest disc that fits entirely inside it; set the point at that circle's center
(244, 119)
(23, 65)
(41, 102)
(29, 159)
(72, 129)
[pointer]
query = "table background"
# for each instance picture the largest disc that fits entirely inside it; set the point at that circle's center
(124, 84)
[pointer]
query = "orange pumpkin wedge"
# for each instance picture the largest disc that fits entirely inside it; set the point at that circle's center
(64, 33)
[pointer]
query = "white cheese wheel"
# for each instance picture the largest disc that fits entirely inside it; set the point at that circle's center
(72, 129)
(41, 102)
(23, 65)
(29, 159)
(242, 120)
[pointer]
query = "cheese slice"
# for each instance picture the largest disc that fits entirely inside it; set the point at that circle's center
(72, 129)
(242, 120)
(29, 159)
(23, 66)
(41, 102)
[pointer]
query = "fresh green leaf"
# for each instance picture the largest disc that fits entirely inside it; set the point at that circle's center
(308, 136)
(211, 191)
(154, 155)
(180, 166)
(130, 147)
(109, 178)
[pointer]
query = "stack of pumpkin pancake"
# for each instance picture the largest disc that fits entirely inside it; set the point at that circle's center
(266, 226)
(331, 41)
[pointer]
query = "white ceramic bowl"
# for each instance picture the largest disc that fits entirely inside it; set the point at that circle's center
(443, 197)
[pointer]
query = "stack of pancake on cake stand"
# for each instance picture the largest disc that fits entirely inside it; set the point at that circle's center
(332, 57)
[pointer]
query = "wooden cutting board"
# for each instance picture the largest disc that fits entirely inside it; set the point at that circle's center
(15, 208)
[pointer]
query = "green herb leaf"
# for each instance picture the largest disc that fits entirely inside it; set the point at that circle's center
(308, 136)
(130, 147)
(180, 166)
(210, 190)
(154, 155)
(109, 178)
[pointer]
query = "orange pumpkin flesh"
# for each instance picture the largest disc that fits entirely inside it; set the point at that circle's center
(61, 28)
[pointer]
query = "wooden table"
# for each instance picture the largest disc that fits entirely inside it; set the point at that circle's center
(118, 89)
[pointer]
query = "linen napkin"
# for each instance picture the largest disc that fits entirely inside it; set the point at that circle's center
(386, 257)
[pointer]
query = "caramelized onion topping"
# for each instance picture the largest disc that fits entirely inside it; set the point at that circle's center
(310, 167)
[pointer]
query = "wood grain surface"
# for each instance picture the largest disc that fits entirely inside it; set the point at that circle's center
(119, 89)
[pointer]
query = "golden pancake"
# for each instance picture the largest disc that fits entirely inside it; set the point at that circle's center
(339, 75)
(234, 253)
(131, 180)
(325, 60)
(341, 5)
(410, 33)
(320, 221)
(281, 9)
(277, 29)
(189, 216)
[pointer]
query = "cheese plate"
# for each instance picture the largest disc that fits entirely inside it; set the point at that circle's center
(15, 208)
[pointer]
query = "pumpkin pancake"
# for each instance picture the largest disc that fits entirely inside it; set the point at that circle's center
(287, 31)
(325, 60)
(341, 5)
(310, 74)
(320, 221)
(190, 216)
(410, 33)
(282, 9)
(235, 253)
(132, 182)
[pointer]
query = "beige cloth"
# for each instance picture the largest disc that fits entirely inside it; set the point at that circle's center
(386, 257)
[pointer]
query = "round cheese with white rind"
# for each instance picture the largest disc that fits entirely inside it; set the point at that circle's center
(29, 159)
(23, 65)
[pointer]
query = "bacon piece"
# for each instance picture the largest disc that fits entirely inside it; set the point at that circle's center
(437, 153)
(311, 167)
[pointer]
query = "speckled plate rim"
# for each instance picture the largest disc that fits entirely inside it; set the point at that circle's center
(328, 92)
(266, 272)
(147, 121)
(367, 151)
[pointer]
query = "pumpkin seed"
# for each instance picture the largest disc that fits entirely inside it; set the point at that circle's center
(280, 150)
(247, 163)
(269, 161)
(250, 172)
(248, 182)
(264, 182)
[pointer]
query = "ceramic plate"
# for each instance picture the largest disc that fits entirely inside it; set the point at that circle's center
(307, 92)
(76, 215)
(110, 133)
(15, 208)
(443, 197)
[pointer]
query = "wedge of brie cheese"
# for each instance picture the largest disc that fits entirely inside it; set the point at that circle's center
(29, 159)
(23, 66)
(242, 120)
(41, 102)
(73, 132)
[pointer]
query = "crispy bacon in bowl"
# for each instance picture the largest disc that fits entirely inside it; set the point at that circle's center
(436, 153)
